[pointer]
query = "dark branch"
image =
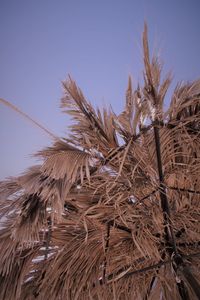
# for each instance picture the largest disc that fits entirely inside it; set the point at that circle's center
(169, 233)
(106, 250)
(146, 269)
(183, 190)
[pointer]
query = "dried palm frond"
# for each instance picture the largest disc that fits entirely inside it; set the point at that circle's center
(92, 129)
(105, 217)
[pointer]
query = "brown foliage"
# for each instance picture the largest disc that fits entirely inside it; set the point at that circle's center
(102, 219)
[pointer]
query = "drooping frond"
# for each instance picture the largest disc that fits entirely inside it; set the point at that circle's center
(64, 161)
(185, 105)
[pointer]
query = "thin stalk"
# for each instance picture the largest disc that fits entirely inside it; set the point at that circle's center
(118, 226)
(169, 233)
(13, 107)
(48, 240)
(112, 276)
(106, 250)
(183, 190)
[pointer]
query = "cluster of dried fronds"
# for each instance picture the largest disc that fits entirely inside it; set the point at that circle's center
(102, 219)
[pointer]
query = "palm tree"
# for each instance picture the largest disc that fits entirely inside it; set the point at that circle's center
(106, 219)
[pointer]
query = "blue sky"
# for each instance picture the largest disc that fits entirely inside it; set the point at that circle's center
(98, 43)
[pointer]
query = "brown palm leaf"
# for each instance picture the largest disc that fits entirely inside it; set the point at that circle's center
(113, 210)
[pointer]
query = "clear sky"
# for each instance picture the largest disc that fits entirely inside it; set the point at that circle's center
(98, 42)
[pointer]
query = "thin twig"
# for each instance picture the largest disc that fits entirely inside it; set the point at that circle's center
(163, 195)
(48, 239)
(183, 190)
(106, 250)
(13, 107)
(146, 269)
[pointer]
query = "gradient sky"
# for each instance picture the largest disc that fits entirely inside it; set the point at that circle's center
(98, 42)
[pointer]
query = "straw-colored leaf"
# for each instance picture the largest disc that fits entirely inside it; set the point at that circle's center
(113, 210)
